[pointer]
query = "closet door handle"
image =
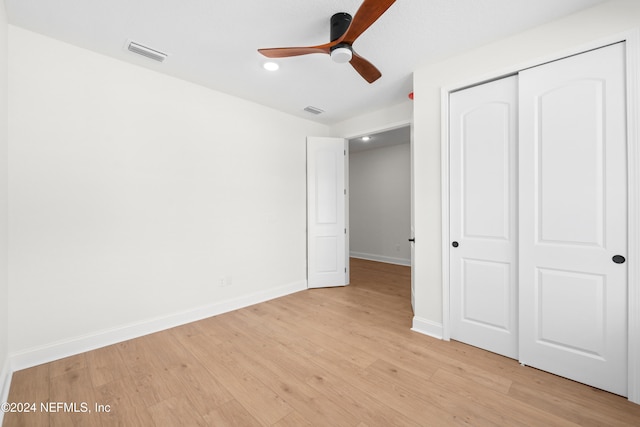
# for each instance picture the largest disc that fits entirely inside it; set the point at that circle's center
(412, 240)
(455, 244)
(618, 259)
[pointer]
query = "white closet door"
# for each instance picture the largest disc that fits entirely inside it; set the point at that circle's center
(573, 204)
(483, 273)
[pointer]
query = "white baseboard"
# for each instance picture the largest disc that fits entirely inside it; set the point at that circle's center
(427, 327)
(5, 383)
(381, 258)
(61, 349)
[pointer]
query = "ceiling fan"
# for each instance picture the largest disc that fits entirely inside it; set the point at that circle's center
(344, 32)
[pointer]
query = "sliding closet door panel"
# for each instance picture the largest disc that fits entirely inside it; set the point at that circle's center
(483, 203)
(573, 204)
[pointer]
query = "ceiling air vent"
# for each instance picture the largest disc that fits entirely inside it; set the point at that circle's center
(146, 51)
(313, 110)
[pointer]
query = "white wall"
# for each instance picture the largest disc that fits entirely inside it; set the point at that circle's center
(507, 55)
(132, 194)
(4, 289)
(388, 118)
(380, 204)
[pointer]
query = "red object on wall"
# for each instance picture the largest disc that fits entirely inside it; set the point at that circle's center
(411, 96)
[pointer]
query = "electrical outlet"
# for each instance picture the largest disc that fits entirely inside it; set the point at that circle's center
(225, 281)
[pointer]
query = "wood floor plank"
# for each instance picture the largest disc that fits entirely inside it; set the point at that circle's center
(152, 353)
(231, 414)
(29, 386)
(394, 395)
(448, 408)
(105, 365)
(287, 375)
(542, 383)
(301, 332)
(127, 405)
(480, 375)
(521, 414)
(294, 419)
(324, 357)
(151, 388)
(594, 415)
(261, 401)
(175, 412)
(68, 364)
(76, 392)
(359, 401)
(199, 387)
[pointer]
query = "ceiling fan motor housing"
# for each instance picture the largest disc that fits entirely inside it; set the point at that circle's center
(339, 25)
(340, 22)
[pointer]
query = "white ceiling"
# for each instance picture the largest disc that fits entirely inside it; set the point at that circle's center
(387, 138)
(214, 42)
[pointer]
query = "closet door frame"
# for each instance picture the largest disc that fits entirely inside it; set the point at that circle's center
(632, 52)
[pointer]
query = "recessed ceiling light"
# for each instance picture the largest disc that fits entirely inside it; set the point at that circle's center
(313, 110)
(146, 51)
(366, 138)
(271, 66)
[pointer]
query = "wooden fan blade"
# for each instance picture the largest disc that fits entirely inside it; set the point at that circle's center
(369, 12)
(283, 52)
(365, 68)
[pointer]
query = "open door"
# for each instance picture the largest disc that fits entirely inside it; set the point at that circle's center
(327, 254)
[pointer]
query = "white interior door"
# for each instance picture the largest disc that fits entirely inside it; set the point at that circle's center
(483, 271)
(573, 205)
(326, 212)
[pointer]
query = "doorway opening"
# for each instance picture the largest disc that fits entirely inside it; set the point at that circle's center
(380, 197)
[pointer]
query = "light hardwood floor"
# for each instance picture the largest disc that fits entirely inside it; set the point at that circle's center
(324, 357)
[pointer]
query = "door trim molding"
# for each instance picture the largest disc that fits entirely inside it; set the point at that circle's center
(632, 39)
(633, 171)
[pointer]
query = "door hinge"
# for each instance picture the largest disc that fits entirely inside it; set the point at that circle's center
(345, 231)
(345, 191)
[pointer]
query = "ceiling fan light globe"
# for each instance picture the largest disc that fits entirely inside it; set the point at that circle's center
(341, 55)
